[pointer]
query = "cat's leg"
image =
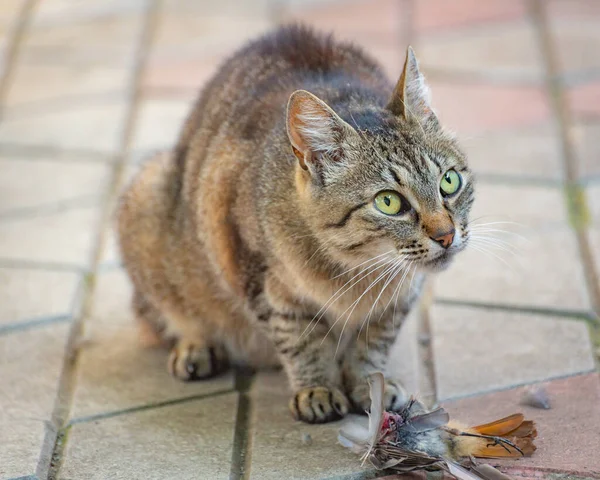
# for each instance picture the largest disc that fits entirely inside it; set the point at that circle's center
(194, 359)
(192, 356)
(308, 357)
(150, 322)
(370, 354)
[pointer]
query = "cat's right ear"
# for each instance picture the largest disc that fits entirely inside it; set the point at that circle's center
(316, 132)
(411, 96)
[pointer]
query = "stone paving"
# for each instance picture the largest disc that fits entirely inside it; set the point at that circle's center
(88, 88)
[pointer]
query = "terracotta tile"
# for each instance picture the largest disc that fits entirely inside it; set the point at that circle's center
(593, 202)
(594, 240)
(187, 441)
(431, 15)
(65, 12)
(159, 123)
(572, 9)
(65, 237)
(527, 231)
(585, 137)
(577, 41)
(30, 363)
(567, 433)
(533, 151)
(61, 85)
(499, 50)
(477, 108)
(373, 25)
(48, 293)
(184, 36)
(583, 99)
(375, 16)
(274, 425)
(109, 41)
(477, 350)
(24, 184)
(9, 11)
(190, 74)
(230, 8)
(131, 375)
(97, 126)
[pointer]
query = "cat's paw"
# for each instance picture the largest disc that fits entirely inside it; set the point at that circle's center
(319, 404)
(188, 362)
(394, 397)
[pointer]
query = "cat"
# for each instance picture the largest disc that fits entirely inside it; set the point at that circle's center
(296, 219)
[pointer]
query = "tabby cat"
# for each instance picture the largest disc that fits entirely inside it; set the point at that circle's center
(295, 220)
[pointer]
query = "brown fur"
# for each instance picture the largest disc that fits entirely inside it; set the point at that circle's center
(237, 240)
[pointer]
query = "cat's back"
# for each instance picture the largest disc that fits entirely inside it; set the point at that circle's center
(250, 91)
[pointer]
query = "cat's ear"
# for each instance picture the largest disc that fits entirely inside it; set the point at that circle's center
(411, 96)
(316, 132)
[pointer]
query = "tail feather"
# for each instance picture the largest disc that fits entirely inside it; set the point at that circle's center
(487, 450)
(502, 426)
(514, 428)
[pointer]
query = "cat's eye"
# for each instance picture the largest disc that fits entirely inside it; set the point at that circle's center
(391, 203)
(451, 183)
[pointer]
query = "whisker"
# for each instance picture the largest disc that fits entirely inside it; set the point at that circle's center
(354, 304)
(359, 265)
(398, 288)
(500, 246)
(480, 248)
(483, 228)
(500, 222)
(336, 296)
(368, 315)
(388, 281)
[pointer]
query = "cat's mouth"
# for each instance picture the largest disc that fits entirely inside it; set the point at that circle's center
(439, 263)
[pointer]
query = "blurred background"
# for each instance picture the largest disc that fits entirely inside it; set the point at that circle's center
(89, 88)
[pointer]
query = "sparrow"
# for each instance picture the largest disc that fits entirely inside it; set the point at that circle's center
(414, 438)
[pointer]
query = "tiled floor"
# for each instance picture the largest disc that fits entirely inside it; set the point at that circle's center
(88, 88)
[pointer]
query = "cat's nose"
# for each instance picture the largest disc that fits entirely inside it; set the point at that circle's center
(445, 239)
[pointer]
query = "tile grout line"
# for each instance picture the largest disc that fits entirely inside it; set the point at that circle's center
(14, 44)
(37, 152)
(24, 264)
(33, 323)
(56, 436)
(241, 455)
(81, 202)
(481, 393)
(573, 315)
(575, 196)
(145, 407)
(426, 361)
(366, 475)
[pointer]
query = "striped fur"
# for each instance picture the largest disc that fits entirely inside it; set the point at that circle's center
(256, 239)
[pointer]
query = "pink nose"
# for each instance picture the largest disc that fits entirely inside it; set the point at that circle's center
(445, 240)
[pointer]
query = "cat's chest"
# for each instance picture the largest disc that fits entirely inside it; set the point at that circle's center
(353, 299)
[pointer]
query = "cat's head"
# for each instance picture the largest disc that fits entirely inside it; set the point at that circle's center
(388, 181)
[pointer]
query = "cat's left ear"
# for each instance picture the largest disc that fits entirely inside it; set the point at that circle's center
(317, 134)
(411, 97)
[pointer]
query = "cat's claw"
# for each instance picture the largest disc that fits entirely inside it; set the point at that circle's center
(394, 398)
(188, 362)
(319, 404)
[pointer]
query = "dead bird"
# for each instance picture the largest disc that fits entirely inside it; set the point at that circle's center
(413, 438)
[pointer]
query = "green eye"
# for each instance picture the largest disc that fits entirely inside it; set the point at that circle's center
(391, 203)
(451, 182)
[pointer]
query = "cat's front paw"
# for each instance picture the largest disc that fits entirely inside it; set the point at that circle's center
(319, 404)
(394, 397)
(189, 362)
